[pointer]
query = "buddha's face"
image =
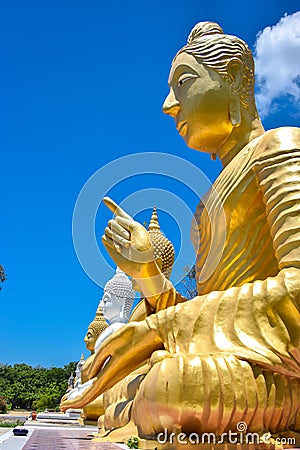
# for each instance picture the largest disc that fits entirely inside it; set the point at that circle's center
(110, 306)
(90, 340)
(106, 302)
(199, 102)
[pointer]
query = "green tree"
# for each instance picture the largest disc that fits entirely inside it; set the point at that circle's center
(2, 275)
(3, 405)
(24, 386)
(188, 285)
(49, 398)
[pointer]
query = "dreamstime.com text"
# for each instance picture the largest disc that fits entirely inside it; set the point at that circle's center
(240, 436)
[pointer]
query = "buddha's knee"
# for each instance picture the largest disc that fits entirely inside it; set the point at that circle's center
(93, 410)
(179, 391)
(118, 400)
(212, 393)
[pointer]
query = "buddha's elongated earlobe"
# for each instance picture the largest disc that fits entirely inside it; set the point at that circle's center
(235, 109)
(234, 71)
(213, 156)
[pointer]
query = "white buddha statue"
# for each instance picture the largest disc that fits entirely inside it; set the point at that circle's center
(79, 366)
(116, 304)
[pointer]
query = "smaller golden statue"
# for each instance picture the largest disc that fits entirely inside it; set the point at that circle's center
(81, 382)
(95, 329)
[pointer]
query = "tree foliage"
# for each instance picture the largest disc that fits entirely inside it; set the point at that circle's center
(3, 405)
(26, 387)
(2, 275)
(188, 285)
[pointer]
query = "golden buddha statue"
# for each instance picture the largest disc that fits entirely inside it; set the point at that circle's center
(92, 411)
(95, 329)
(232, 353)
(81, 382)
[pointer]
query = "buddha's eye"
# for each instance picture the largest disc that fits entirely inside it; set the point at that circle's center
(184, 78)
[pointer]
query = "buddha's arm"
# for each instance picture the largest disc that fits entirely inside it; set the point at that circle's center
(158, 291)
(119, 355)
(278, 175)
(86, 367)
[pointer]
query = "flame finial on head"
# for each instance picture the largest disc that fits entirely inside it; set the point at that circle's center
(154, 225)
(163, 248)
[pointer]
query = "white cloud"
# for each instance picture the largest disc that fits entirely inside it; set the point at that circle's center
(277, 60)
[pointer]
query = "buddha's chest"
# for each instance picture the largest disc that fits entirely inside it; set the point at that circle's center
(233, 231)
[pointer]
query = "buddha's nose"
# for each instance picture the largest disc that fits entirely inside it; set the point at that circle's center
(171, 104)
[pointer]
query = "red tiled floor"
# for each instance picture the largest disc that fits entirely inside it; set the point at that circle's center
(52, 439)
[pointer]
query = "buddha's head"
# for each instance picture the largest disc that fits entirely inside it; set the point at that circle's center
(95, 328)
(211, 87)
(118, 298)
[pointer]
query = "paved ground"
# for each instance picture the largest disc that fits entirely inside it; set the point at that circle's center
(55, 438)
(16, 414)
(51, 435)
(15, 442)
(68, 439)
(4, 430)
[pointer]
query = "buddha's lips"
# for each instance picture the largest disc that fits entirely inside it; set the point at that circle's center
(182, 128)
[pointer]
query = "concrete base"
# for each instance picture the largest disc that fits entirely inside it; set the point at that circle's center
(57, 416)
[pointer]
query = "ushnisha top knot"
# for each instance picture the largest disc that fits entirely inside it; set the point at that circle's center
(204, 29)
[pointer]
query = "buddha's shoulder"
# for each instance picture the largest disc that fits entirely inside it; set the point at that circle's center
(277, 141)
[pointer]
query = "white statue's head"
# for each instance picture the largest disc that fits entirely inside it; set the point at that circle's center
(118, 298)
(111, 307)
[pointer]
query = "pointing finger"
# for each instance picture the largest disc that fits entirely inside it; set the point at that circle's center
(116, 209)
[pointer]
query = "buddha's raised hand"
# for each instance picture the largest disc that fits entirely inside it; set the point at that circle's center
(127, 242)
(129, 245)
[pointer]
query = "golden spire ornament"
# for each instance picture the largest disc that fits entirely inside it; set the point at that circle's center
(163, 248)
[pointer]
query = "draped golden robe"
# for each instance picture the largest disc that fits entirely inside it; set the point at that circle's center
(233, 353)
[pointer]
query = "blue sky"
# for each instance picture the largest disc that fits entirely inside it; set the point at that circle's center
(82, 85)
